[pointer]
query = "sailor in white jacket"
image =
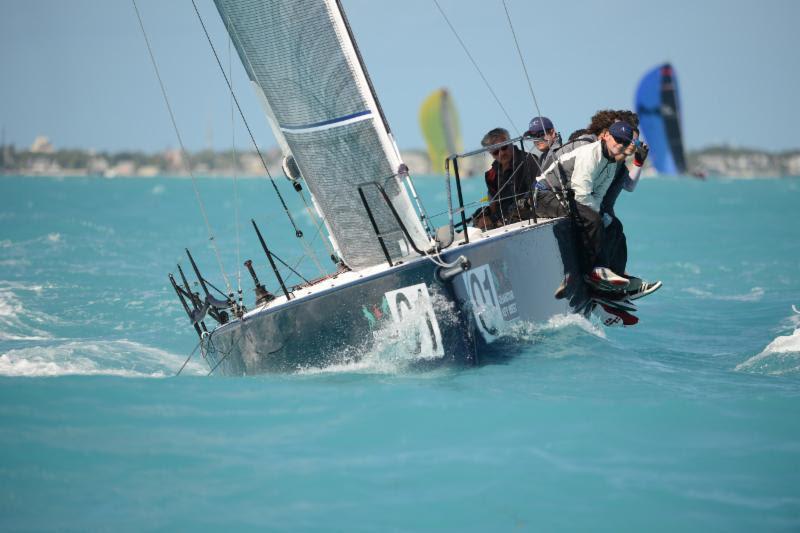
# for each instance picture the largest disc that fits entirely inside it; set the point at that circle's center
(588, 171)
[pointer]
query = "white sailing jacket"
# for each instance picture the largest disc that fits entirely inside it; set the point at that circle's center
(587, 171)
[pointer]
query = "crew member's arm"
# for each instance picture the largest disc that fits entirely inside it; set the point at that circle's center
(639, 157)
(632, 178)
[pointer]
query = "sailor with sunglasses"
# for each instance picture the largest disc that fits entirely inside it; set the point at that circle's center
(508, 182)
(577, 182)
(545, 137)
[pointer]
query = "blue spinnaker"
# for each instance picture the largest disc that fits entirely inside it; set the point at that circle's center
(659, 112)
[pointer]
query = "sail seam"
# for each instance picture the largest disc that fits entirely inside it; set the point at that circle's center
(330, 124)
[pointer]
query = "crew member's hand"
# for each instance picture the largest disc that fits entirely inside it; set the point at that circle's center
(640, 155)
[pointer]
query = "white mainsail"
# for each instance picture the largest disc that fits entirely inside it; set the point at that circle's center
(304, 65)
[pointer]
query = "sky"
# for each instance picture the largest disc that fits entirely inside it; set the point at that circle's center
(79, 73)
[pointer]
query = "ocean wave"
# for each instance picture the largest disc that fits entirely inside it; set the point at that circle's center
(14, 317)
(779, 357)
(395, 347)
(755, 295)
(689, 267)
(392, 350)
(90, 357)
(13, 263)
(531, 332)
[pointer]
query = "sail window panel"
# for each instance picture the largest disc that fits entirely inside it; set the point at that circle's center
(339, 160)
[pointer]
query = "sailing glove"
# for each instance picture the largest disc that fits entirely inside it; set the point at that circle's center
(641, 154)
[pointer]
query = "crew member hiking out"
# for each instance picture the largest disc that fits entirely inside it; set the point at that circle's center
(576, 183)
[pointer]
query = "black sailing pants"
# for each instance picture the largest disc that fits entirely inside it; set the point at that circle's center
(590, 226)
(615, 247)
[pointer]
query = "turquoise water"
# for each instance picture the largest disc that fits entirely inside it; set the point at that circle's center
(688, 421)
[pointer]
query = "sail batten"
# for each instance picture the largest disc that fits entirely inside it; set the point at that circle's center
(319, 102)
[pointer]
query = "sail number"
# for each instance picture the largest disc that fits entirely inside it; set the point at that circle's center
(485, 305)
(413, 314)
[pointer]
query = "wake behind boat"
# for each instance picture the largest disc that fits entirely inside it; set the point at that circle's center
(439, 294)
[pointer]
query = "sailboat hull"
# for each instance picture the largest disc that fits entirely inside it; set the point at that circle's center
(416, 312)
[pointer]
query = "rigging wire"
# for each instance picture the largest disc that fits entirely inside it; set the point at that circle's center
(318, 225)
(522, 60)
(234, 161)
(474, 64)
(184, 153)
(188, 358)
(298, 233)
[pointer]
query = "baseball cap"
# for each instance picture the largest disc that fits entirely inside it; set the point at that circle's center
(622, 132)
(539, 125)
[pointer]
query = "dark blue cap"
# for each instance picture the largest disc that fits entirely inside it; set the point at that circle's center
(539, 125)
(622, 132)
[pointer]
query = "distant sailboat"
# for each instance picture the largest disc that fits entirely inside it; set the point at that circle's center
(658, 107)
(438, 120)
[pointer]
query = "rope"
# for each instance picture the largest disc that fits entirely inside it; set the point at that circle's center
(302, 258)
(211, 346)
(183, 149)
(522, 60)
(188, 358)
(474, 64)
(318, 225)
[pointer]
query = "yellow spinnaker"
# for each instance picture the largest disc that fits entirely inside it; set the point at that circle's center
(438, 120)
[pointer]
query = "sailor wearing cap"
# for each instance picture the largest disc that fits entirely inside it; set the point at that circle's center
(588, 171)
(544, 136)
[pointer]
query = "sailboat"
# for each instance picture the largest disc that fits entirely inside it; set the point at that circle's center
(438, 120)
(436, 295)
(658, 107)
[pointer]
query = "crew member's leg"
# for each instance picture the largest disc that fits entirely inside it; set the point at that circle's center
(592, 234)
(614, 252)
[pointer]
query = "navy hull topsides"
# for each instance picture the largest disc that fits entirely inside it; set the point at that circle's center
(428, 313)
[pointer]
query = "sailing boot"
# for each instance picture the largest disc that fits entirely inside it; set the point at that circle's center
(605, 279)
(638, 288)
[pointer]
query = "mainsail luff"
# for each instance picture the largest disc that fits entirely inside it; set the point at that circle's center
(300, 57)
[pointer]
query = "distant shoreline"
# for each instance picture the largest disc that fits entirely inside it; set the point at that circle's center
(718, 161)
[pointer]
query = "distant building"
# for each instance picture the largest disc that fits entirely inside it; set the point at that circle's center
(174, 159)
(42, 145)
(123, 168)
(98, 166)
(793, 165)
(148, 171)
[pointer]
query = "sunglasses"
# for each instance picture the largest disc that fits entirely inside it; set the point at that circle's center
(502, 148)
(624, 142)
